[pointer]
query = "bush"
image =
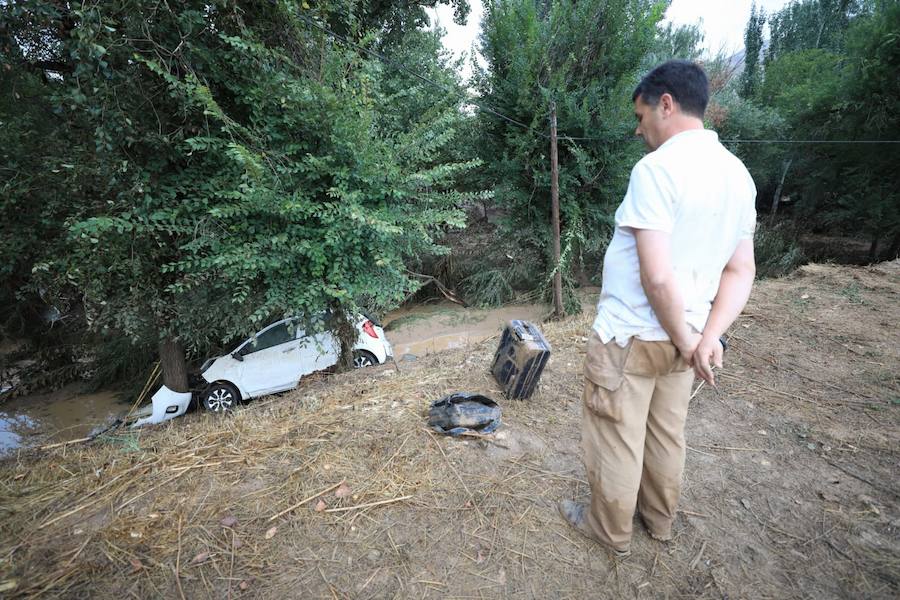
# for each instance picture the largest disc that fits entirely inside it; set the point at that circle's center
(488, 288)
(777, 251)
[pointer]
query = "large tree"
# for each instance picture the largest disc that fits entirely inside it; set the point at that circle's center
(753, 44)
(584, 57)
(831, 74)
(212, 165)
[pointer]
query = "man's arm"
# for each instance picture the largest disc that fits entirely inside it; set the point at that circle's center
(658, 280)
(734, 290)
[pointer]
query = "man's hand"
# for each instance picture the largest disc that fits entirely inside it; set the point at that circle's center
(688, 347)
(707, 354)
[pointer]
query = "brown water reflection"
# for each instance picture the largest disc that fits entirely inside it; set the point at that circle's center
(425, 329)
(58, 416)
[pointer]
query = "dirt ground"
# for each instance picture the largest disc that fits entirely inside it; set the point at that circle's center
(791, 483)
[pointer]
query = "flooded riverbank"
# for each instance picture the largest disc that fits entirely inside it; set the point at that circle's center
(424, 329)
(414, 332)
(62, 415)
(421, 330)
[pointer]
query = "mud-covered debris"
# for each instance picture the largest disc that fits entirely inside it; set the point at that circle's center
(464, 413)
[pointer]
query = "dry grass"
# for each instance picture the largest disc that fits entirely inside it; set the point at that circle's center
(186, 510)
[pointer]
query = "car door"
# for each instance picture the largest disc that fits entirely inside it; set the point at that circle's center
(318, 352)
(271, 360)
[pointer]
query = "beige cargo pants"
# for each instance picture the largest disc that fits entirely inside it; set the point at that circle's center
(635, 405)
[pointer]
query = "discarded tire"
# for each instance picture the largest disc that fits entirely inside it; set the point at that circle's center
(464, 413)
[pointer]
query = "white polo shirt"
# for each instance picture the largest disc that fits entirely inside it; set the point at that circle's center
(693, 188)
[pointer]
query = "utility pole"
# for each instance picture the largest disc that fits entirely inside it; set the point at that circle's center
(554, 211)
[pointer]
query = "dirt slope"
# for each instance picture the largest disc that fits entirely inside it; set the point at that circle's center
(791, 485)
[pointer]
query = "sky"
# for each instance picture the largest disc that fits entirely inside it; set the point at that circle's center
(723, 22)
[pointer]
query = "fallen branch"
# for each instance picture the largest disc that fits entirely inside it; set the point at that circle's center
(89, 438)
(766, 388)
(178, 562)
(305, 500)
(697, 558)
(697, 391)
(700, 452)
(448, 294)
(732, 448)
(368, 504)
(59, 444)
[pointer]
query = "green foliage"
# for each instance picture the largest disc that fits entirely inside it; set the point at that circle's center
(488, 288)
(801, 87)
(392, 20)
(753, 43)
(776, 249)
(220, 164)
(830, 73)
(585, 57)
(811, 24)
(671, 41)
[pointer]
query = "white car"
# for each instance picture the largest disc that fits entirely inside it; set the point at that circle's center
(274, 360)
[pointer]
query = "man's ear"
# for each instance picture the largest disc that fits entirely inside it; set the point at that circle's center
(667, 103)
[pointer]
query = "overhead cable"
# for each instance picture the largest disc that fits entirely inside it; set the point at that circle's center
(737, 141)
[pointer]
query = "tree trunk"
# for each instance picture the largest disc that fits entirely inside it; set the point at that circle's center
(873, 248)
(173, 365)
(819, 35)
(894, 250)
(554, 200)
(777, 198)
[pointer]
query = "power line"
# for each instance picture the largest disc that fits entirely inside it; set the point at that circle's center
(811, 141)
(739, 141)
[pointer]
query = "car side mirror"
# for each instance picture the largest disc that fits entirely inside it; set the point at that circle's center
(237, 356)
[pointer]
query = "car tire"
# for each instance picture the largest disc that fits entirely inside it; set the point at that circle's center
(363, 358)
(221, 397)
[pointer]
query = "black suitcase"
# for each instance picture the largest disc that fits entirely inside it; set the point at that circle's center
(520, 359)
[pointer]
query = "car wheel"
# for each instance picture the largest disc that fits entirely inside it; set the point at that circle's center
(363, 358)
(221, 397)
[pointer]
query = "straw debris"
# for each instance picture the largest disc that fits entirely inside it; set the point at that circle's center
(337, 490)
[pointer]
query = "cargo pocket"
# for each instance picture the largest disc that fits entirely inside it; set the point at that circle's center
(604, 403)
(604, 371)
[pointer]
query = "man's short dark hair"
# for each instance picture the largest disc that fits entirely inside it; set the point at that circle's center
(684, 80)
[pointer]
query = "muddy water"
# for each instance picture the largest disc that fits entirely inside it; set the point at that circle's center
(65, 414)
(425, 329)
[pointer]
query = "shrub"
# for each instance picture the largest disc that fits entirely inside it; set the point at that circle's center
(777, 251)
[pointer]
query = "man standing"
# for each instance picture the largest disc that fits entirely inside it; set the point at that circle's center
(677, 273)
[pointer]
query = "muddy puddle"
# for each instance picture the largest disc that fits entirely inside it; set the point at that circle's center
(421, 330)
(59, 416)
(424, 329)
